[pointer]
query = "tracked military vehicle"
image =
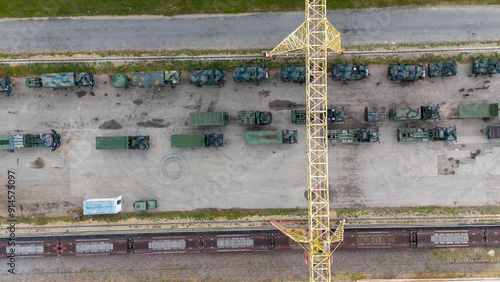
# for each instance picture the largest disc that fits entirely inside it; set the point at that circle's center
(122, 143)
(365, 135)
(333, 115)
(197, 140)
(201, 77)
(427, 134)
(19, 141)
(271, 137)
(5, 85)
(344, 72)
(479, 110)
(442, 69)
(254, 118)
(414, 113)
(406, 72)
(62, 79)
(486, 66)
(250, 73)
(295, 73)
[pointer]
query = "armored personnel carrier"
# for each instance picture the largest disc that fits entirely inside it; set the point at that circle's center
(345, 72)
(427, 134)
(250, 73)
(406, 72)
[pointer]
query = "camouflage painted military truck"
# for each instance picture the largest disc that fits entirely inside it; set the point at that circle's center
(414, 113)
(295, 73)
(486, 66)
(406, 72)
(478, 110)
(153, 78)
(427, 134)
(201, 77)
(19, 141)
(197, 140)
(442, 69)
(345, 72)
(375, 113)
(333, 115)
(5, 85)
(254, 118)
(250, 73)
(206, 119)
(271, 137)
(365, 135)
(122, 143)
(62, 79)
(493, 132)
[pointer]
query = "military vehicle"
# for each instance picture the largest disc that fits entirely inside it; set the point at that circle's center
(486, 66)
(271, 137)
(427, 134)
(62, 79)
(152, 78)
(197, 140)
(333, 115)
(5, 85)
(364, 135)
(478, 110)
(442, 69)
(493, 132)
(211, 118)
(119, 80)
(414, 113)
(375, 113)
(295, 73)
(349, 72)
(254, 118)
(250, 73)
(145, 205)
(122, 143)
(102, 206)
(201, 77)
(20, 141)
(406, 72)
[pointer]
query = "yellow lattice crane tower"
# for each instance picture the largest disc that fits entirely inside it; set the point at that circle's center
(315, 36)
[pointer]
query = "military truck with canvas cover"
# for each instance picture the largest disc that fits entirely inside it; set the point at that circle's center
(427, 134)
(102, 206)
(295, 73)
(478, 110)
(122, 143)
(406, 72)
(333, 115)
(197, 140)
(153, 78)
(201, 77)
(19, 141)
(62, 79)
(414, 113)
(252, 73)
(365, 135)
(345, 72)
(375, 113)
(271, 137)
(493, 132)
(5, 85)
(206, 119)
(486, 66)
(442, 69)
(254, 118)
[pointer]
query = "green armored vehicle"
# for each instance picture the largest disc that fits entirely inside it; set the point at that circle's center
(122, 143)
(375, 113)
(145, 205)
(197, 140)
(427, 134)
(62, 79)
(5, 85)
(493, 132)
(414, 113)
(345, 72)
(295, 73)
(333, 115)
(486, 66)
(19, 141)
(206, 119)
(271, 137)
(364, 135)
(250, 73)
(254, 118)
(442, 69)
(478, 110)
(406, 72)
(201, 77)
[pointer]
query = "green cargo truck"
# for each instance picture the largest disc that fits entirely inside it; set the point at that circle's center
(493, 132)
(145, 205)
(364, 135)
(254, 118)
(427, 134)
(414, 113)
(206, 119)
(196, 140)
(122, 143)
(333, 115)
(478, 110)
(19, 141)
(271, 137)
(62, 79)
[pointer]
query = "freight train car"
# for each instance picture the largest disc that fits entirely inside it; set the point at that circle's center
(93, 247)
(236, 242)
(30, 249)
(376, 239)
(171, 244)
(448, 238)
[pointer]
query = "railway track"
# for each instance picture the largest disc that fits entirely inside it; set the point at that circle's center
(239, 57)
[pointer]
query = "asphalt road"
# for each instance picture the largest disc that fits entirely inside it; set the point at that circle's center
(456, 23)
